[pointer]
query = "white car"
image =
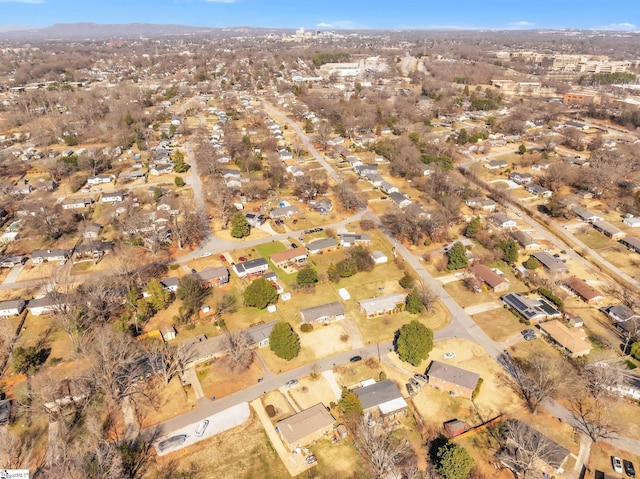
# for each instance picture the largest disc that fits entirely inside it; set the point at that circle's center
(205, 254)
(617, 464)
(449, 355)
(202, 427)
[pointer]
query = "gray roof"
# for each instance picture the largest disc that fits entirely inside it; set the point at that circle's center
(550, 262)
(305, 423)
(251, 264)
(382, 303)
(5, 410)
(398, 197)
(453, 374)
(323, 311)
(621, 311)
(284, 211)
(555, 454)
(202, 348)
(322, 244)
(12, 303)
(43, 302)
(353, 237)
(378, 393)
(606, 228)
(210, 273)
(584, 214)
(259, 333)
(523, 238)
(500, 218)
(536, 308)
(50, 253)
(631, 242)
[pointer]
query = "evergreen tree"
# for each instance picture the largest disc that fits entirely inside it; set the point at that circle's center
(414, 342)
(350, 403)
(260, 294)
(413, 303)
(532, 263)
(307, 276)
(473, 227)
(406, 281)
(239, 226)
(453, 461)
(457, 257)
(284, 341)
(510, 250)
(159, 298)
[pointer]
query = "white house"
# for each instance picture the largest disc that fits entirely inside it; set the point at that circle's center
(502, 221)
(100, 179)
(379, 257)
(632, 221)
(12, 307)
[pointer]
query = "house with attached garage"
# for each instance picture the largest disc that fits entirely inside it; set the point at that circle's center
(586, 215)
(210, 277)
(40, 256)
(351, 239)
(323, 313)
(323, 245)
(12, 307)
(284, 212)
(388, 188)
(502, 221)
(391, 303)
(251, 268)
(551, 263)
(456, 381)
(609, 230)
(382, 398)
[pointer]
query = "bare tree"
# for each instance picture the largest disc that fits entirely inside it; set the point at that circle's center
(600, 379)
(593, 417)
(524, 448)
(347, 194)
(239, 353)
(427, 297)
(16, 450)
(381, 448)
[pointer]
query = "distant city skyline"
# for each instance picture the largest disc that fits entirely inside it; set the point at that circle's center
(329, 14)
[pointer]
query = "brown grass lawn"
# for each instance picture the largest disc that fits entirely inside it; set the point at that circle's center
(626, 260)
(598, 325)
(309, 392)
(241, 453)
(282, 406)
(499, 324)
(482, 447)
(37, 327)
(338, 460)
(349, 374)
(172, 400)
(464, 297)
(218, 380)
(594, 239)
(382, 328)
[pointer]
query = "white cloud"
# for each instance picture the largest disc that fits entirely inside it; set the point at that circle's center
(618, 26)
(32, 2)
(340, 25)
(522, 23)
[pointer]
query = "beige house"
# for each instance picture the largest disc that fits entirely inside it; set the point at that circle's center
(305, 427)
(572, 341)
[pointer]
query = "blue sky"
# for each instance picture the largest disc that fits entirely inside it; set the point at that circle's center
(331, 14)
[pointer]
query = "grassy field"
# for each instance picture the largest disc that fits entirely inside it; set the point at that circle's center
(338, 460)
(594, 240)
(499, 324)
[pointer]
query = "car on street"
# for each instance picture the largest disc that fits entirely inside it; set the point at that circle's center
(449, 355)
(202, 427)
(205, 254)
(410, 389)
(629, 470)
(291, 383)
(355, 359)
(421, 377)
(617, 464)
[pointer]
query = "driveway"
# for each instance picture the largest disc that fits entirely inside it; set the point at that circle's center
(12, 277)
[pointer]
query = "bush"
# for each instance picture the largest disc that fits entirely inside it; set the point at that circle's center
(260, 294)
(271, 411)
(307, 276)
(382, 376)
(532, 263)
(306, 328)
(179, 181)
(406, 281)
(476, 391)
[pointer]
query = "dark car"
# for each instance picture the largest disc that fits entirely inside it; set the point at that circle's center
(291, 383)
(410, 389)
(355, 359)
(421, 377)
(193, 271)
(294, 246)
(628, 468)
(527, 332)
(173, 441)
(415, 383)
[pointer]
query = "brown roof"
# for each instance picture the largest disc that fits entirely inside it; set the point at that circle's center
(483, 273)
(452, 374)
(305, 423)
(570, 339)
(287, 255)
(582, 289)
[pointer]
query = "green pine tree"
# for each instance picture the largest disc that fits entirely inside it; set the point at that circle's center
(457, 257)
(414, 342)
(413, 304)
(239, 226)
(284, 341)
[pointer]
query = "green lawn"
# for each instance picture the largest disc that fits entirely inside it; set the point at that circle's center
(267, 249)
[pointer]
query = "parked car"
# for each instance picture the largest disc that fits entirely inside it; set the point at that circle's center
(291, 383)
(410, 389)
(294, 246)
(205, 254)
(449, 355)
(617, 464)
(415, 383)
(202, 427)
(355, 359)
(628, 468)
(242, 258)
(311, 459)
(421, 377)
(193, 271)
(172, 442)
(223, 258)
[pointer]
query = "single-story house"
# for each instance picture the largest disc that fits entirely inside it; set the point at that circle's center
(586, 215)
(502, 221)
(400, 199)
(322, 245)
(115, 197)
(520, 178)
(632, 221)
(92, 249)
(632, 243)
(170, 284)
(254, 219)
(295, 171)
(391, 303)
(305, 427)
(323, 313)
(587, 293)
(609, 230)
(40, 256)
(382, 397)
(493, 280)
(284, 212)
(363, 170)
(353, 161)
(91, 231)
(375, 179)
(573, 340)
(251, 267)
(525, 240)
(456, 381)
(484, 204)
(13, 260)
(295, 257)
(12, 307)
(322, 206)
(100, 179)
(388, 188)
(158, 170)
(218, 276)
(538, 190)
(533, 310)
(551, 262)
(338, 140)
(621, 313)
(201, 349)
(132, 175)
(351, 239)
(44, 305)
(496, 164)
(258, 335)
(18, 190)
(379, 257)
